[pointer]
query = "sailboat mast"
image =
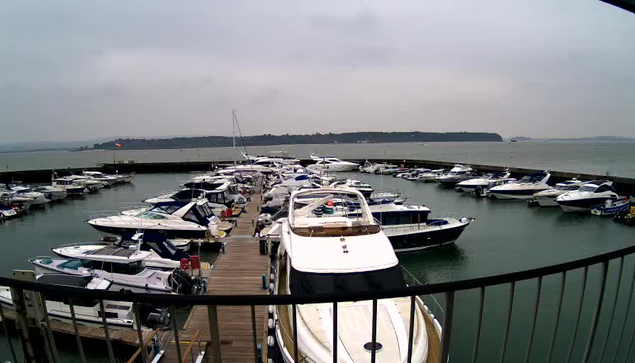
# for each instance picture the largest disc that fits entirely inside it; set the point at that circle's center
(234, 133)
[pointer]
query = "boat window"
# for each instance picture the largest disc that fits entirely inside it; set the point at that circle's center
(150, 215)
(169, 208)
(127, 268)
(225, 196)
(587, 188)
(303, 283)
(603, 188)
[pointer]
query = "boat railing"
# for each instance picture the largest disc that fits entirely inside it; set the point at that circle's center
(591, 301)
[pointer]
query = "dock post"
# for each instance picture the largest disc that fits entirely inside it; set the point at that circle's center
(214, 338)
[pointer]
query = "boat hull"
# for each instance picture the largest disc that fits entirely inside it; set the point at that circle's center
(170, 233)
(520, 194)
(580, 205)
(547, 201)
(423, 238)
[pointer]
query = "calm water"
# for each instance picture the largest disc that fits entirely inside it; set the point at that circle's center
(581, 157)
(506, 236)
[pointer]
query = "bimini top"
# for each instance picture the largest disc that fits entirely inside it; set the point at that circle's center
(597, 186)
(322, 240)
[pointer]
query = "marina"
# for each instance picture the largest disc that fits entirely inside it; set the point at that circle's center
(240, 267)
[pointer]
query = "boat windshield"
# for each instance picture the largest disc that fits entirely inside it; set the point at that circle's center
(587, 188)
(150, 215)
(303, 283)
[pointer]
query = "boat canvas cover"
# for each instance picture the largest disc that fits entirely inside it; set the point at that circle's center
(325, 283)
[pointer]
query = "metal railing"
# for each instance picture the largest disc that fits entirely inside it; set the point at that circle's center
(601, 304)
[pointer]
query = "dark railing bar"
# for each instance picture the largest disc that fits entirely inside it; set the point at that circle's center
(563, 281)
(598, 312)
(6, 334)
(510, 309)
(106, 332)
(373, 352)
(214, 337)
(175, 330)
(479, 323)
(628, 308)
(142, 347)
(78, 337)
(535, 318)
(253, 333)
(577, 320)
(335, 337)
(617, 295)
(247, 300)
(630, 345)
(295, 333)
(48, 331)
(446, 334)
(411, 327)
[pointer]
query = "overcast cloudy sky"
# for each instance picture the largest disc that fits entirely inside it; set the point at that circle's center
(75, 70)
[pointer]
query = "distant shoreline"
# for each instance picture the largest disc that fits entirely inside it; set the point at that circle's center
(307, 139)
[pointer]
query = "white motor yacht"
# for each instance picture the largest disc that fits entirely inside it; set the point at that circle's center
(329, 163)
(38, 200)
(119, 314)
(108, 180)
(523, 189)
(430, 176)
(52, 193)
(591, 194)
(457, 174)
(323, 253)
(72, 188)
(125, 267)
(174, 219)
(482, 184)
(91, 185)
(365, 188)
(547, 198)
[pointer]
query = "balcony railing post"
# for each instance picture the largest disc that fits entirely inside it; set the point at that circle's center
(175, 331)
(212, 314)
(510, 309)
(628, 308)
(411, 326)
(294, 314)
(373, 352)
(335, 337)
(447, 326)
(6, 334)
(563, 281)
(253, 333)
(479, 324)
(142, 344)
(47, 328)
(598, 312)
(78, 338)
(17, 295)
(617, 295)
(577, 320)
(106, 332)
(535, 318)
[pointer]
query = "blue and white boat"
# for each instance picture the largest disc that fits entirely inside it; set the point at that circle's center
(611, 207)
(593, 193)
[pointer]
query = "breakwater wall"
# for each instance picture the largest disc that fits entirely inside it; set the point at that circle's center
(624, 186)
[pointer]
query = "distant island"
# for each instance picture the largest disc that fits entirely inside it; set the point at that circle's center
(286, 139)
(593, 138)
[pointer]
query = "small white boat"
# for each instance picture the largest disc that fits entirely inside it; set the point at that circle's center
(52, 193)
(329, 163)
(119, 314)
(482, 184)
(37, 199)
(430, 176)
(547, 198)
(108, 180)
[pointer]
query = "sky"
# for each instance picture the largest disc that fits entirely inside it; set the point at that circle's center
(81, 70)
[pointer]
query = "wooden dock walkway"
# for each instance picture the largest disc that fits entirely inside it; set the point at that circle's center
(237, 271)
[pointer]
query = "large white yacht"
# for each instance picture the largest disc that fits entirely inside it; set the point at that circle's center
(593, 193)
(478, 185)
(547, 198)
(523, 189)
(108, 180)
(329, 163)
(174, 219)
(323, 253)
